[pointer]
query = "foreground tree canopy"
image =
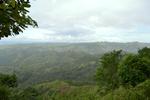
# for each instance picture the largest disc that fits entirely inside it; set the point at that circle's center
(117, 69)
(106, 73)
(133, 70)
(14, 17)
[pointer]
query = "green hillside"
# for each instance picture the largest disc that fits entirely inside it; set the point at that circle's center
(36, 63)
(60, 90)
(74, 74)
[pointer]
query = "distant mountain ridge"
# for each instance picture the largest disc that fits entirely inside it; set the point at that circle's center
(40, 62)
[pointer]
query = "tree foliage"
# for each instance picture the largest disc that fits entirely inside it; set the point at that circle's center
(106, 74)
(117, 69)
(4, 93)
(133, 70)
(144, 53)
(8, 80)
(14, 17)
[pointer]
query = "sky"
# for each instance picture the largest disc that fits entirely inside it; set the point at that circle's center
(87, 21)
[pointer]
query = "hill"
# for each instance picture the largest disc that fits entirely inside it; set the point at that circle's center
(60, 90)
(36, 63)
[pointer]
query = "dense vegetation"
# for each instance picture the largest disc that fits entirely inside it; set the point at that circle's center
(35, 63)
(122, 72)
(120, 75)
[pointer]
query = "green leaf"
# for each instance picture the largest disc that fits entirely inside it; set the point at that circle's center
(13, 3)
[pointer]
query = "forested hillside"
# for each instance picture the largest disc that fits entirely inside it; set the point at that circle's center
(35, 63)
(116, 75)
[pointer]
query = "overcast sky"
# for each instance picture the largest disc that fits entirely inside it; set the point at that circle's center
(88, 21)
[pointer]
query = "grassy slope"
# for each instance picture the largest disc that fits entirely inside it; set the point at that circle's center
(60, 90)
(64, 91)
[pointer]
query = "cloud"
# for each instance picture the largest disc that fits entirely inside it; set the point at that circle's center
(89, 21)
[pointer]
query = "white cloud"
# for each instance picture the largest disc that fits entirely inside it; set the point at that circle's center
(89, 20)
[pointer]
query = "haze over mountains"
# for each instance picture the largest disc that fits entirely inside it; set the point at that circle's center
(39, 62)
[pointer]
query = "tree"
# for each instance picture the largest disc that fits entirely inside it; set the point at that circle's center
(8, 80)
(14, 17)
(106, 74)
(145, 52)
(133, 70)
(144, 89)
(4, 93)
